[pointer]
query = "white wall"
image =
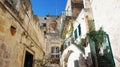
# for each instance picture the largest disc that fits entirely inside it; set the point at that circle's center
(80, 20)
(68, 8)
(107, 14)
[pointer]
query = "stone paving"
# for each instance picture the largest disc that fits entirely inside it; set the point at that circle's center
(54, 65)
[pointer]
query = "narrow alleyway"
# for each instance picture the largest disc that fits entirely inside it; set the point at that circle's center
(83, 33)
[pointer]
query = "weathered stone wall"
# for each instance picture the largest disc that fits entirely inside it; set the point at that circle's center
(52, 36)
(106, 15)
(50, 26)
(28, 37)
(10, 46)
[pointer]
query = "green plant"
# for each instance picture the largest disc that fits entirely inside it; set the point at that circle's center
(97, 36)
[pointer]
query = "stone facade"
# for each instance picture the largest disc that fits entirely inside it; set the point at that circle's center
(73, 8)
(50, 26)
(19, 33)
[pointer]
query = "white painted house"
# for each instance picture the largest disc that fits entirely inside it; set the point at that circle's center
(106, 15)
(76, 58)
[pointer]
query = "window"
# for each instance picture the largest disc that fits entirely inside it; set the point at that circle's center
(79, 29)
(68, 43)
(55, 52)
(75, 34)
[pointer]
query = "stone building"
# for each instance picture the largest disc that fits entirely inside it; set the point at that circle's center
(50, 26)
(21, 40)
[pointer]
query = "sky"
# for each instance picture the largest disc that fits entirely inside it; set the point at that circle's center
(51, 7)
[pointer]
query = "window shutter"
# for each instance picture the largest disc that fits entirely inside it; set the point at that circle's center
(75, 34)
(79, 29)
